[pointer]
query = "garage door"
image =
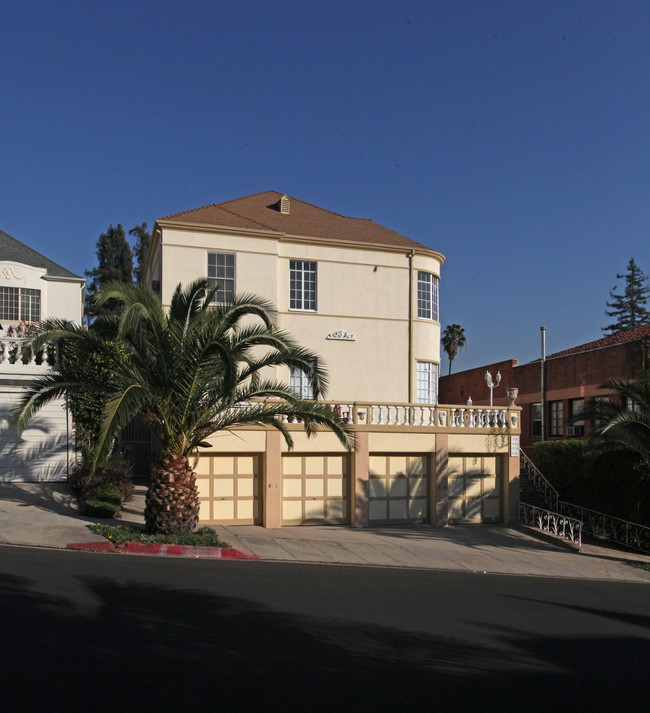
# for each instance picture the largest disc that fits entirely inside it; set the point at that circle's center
(475, 489)
(315, 489)
(398, 488)
(229, 489)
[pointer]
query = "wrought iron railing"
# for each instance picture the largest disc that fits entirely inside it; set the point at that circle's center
(544, 488)
(595, 524)
(605, 527)
(568, 528)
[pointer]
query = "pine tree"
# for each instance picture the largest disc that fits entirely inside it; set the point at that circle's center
(140, 249)
(115, 262)
(628, 309)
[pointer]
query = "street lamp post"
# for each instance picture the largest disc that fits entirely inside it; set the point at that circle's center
(492, 384)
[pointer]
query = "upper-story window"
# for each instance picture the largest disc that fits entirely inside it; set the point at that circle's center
(427, 382)
(299, 384)
(427, 296)
(302, 285)
(221, 271)
(19, 303)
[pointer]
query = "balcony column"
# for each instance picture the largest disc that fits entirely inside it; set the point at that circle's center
(360, 482)
(439, 486)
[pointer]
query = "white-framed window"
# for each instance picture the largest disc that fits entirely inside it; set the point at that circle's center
(221, 271)
(427, 382)
(302, 285)
(427, 296)
(299, 384)
(20, 303)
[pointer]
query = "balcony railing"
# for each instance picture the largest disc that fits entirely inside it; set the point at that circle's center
(14, 357)
(439, 416)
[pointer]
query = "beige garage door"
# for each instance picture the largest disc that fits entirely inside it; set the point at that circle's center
(229, 489)
(398, 488)
(475, 489)
(315, 489)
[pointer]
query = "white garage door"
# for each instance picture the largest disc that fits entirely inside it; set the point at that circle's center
(43, 451)
(315, 489)
(229, 489)
(474, 486)
(398, 488)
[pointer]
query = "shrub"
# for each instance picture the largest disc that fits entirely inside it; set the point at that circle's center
(203, 537)
(104, 490)
(614, 481)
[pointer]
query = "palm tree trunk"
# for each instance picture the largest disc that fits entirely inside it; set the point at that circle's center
(172, 502)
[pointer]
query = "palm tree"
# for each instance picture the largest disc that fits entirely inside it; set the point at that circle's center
(625, 422)
(189, 372)
(453, 340)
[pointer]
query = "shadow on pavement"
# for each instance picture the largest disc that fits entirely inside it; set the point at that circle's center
(150, 648)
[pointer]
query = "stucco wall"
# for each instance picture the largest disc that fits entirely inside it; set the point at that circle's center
(369, 294)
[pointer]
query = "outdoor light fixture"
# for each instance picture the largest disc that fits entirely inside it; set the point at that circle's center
(492, 384)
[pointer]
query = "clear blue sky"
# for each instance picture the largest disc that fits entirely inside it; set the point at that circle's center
(511, 135)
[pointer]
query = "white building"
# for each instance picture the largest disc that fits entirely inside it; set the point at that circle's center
(32, 288)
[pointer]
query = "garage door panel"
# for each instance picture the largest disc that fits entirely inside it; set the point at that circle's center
(418, 509)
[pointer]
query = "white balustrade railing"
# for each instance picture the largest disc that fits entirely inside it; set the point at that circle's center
(430, 416)
(414, 416)
(13, 355)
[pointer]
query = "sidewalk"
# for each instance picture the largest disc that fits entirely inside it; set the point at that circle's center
(45, 515)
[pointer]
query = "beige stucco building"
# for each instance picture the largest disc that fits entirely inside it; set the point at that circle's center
(366, 299)
(32, 288)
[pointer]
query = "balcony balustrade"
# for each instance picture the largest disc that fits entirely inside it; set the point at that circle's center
(14, 358)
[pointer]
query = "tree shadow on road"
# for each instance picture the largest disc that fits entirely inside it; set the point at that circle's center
(150, 648)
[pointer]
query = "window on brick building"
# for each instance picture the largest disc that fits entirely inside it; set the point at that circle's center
(577, 427)
(536, 420)
(555, 418)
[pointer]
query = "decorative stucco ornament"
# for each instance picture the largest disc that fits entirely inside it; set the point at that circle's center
(341, 336)
(442, 417)
(9, 274)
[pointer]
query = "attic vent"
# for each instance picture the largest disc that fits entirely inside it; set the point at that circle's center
(285, 205)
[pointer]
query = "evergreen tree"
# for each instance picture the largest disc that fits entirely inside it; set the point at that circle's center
(115, 263)
(628, 309)
(140, 249)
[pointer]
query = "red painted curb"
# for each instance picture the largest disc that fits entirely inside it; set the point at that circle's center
(93, 546)
(140, 548)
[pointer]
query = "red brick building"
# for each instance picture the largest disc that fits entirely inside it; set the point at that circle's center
(571, 376)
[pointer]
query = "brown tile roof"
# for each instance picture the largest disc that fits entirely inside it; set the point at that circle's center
(261, 212)
(608, 341)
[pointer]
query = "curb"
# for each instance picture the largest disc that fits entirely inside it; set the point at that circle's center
(139, 548)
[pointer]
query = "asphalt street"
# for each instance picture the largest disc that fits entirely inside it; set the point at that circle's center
(97, 632)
